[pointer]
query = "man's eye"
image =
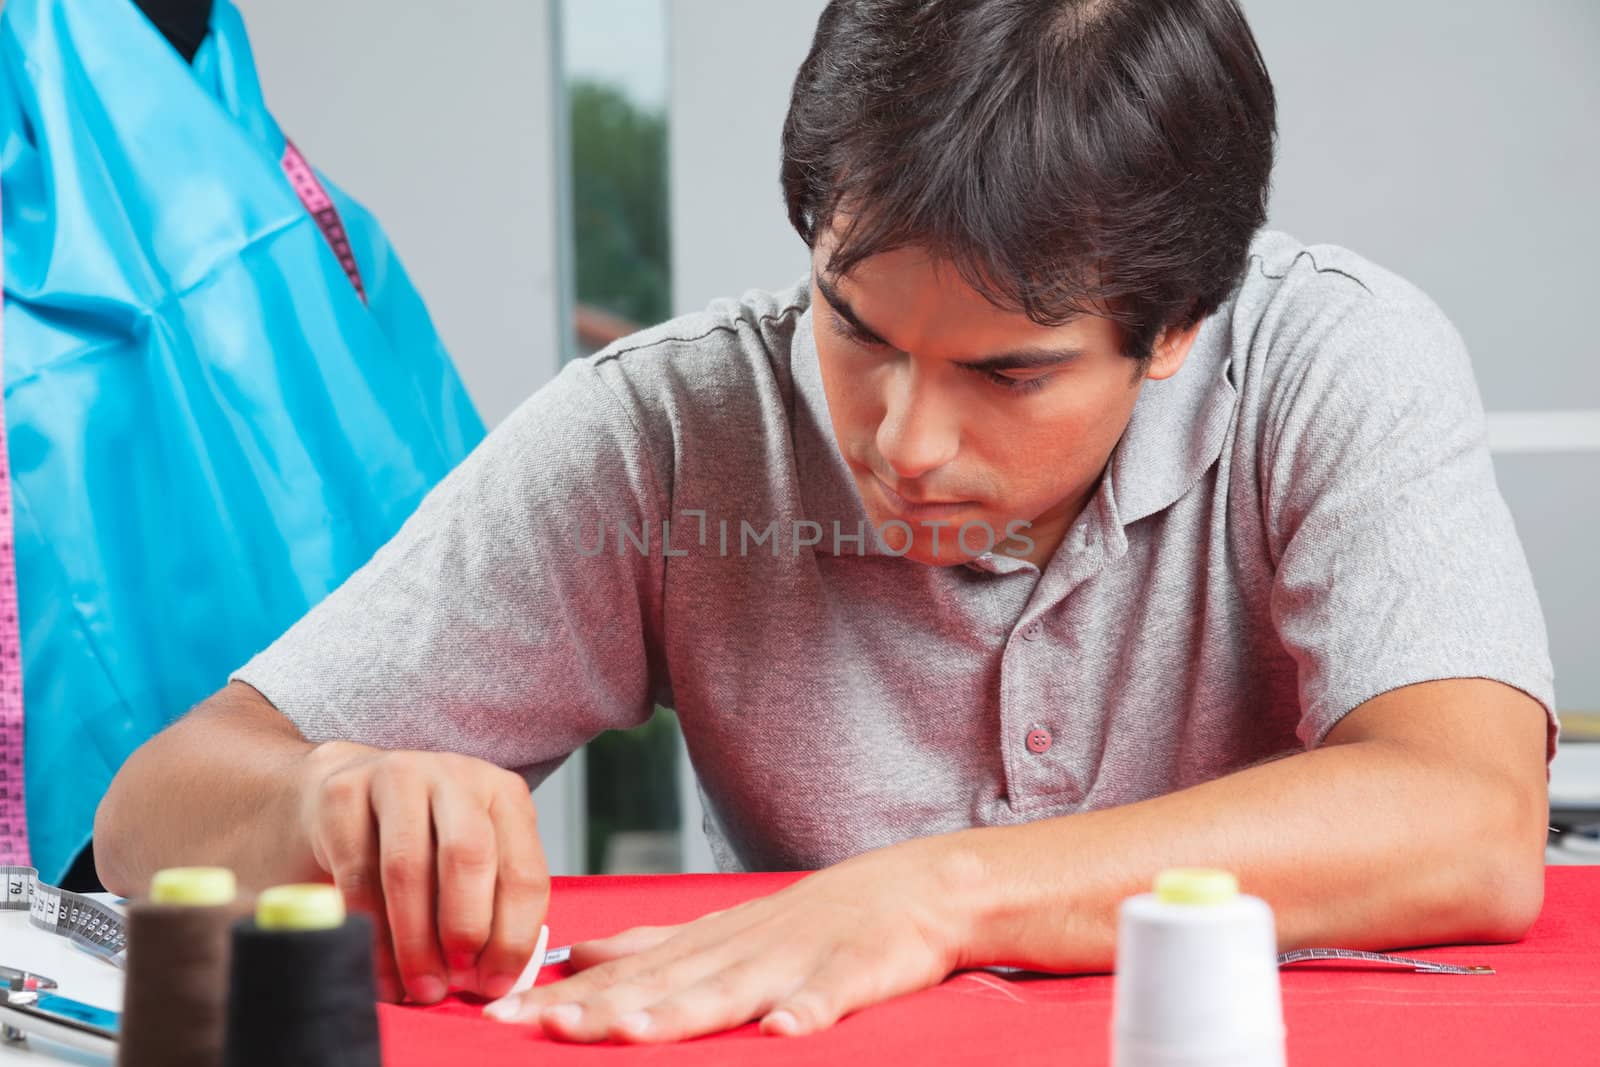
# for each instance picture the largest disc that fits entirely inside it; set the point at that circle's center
(850, 333)
(1020, 385)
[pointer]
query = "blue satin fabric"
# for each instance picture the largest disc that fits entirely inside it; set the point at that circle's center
(208, 429)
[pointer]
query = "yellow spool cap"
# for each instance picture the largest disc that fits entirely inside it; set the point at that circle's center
(300, 907)
(1196, 886)
(193, 886)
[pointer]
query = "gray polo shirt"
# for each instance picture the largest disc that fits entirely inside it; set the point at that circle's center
(1302, 518)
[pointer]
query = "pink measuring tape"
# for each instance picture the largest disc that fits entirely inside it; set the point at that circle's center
(13, 815)
(320, 206)
(13, 810)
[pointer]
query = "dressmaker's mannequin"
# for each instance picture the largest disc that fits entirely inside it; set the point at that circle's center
(183, 22)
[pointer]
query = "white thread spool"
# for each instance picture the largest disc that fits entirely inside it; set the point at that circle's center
(1197, 976)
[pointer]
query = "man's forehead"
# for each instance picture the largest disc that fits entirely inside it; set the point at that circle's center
(888, 274)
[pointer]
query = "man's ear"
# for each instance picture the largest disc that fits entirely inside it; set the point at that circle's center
(1170, 350)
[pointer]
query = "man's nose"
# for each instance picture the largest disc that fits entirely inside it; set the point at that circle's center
(921, 429)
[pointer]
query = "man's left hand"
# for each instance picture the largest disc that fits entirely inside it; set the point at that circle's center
(871, 928)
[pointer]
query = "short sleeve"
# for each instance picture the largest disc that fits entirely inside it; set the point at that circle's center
(1396, 558)
(490, 625)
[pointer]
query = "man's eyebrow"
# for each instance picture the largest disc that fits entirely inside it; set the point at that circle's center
(1023, 359)
(846, 312)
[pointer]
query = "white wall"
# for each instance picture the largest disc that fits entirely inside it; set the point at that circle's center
(727, 98)
(1454, 141)
(441, 119)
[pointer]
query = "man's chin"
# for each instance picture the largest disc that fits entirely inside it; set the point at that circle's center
(948, 552)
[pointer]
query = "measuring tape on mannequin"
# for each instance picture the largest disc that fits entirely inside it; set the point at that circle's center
(319, 205)
(13, 815)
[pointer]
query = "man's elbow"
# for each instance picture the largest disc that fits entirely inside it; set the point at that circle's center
(110, 846)
(1504, 879)
(1511, 898)
(118, 819)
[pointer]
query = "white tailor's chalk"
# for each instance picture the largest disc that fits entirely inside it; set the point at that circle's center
(530, 973)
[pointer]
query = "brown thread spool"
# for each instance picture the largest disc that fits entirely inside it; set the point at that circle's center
(175, 999)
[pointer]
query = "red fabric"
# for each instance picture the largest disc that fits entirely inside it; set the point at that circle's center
(1542, 1005)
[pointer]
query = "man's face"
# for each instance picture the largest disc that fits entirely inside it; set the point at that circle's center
(953, 413)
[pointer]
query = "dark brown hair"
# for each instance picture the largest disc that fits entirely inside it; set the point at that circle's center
(1107, 157)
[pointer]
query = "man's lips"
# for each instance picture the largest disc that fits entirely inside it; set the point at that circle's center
(923, 509)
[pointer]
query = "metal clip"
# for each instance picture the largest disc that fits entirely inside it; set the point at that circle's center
(22, 980)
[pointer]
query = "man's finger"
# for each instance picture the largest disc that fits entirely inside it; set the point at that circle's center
(590, 1011)
(711, 929)
(850, 979)
(521, 893)
(464, 842)
(405, 866)
(615, 987)
(720, 1001)
(649, 974)
(588, 954)
(524, 1007)
(347, 847)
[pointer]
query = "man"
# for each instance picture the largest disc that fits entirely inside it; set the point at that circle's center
(1051, 534)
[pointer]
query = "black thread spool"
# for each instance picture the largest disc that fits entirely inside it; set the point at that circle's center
(175, 998)
(302, 992)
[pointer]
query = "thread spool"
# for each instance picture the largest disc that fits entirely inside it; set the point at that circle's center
(302, 991)
(1197, 976)
(175, 999)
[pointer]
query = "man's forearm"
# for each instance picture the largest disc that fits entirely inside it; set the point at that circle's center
(1362, 845)
(218, 787)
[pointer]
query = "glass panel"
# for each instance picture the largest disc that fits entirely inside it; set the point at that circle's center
(616, 54)
(615, 57)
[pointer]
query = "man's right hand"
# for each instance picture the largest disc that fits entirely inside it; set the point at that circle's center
(442, 851)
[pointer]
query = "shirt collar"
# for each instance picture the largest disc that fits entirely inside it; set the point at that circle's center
(1177, 430)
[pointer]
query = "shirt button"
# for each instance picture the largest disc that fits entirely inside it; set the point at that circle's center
(1039, 740)
(1033, 632)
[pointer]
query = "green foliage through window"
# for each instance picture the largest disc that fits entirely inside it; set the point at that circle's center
(632, 782)
(619, 200)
